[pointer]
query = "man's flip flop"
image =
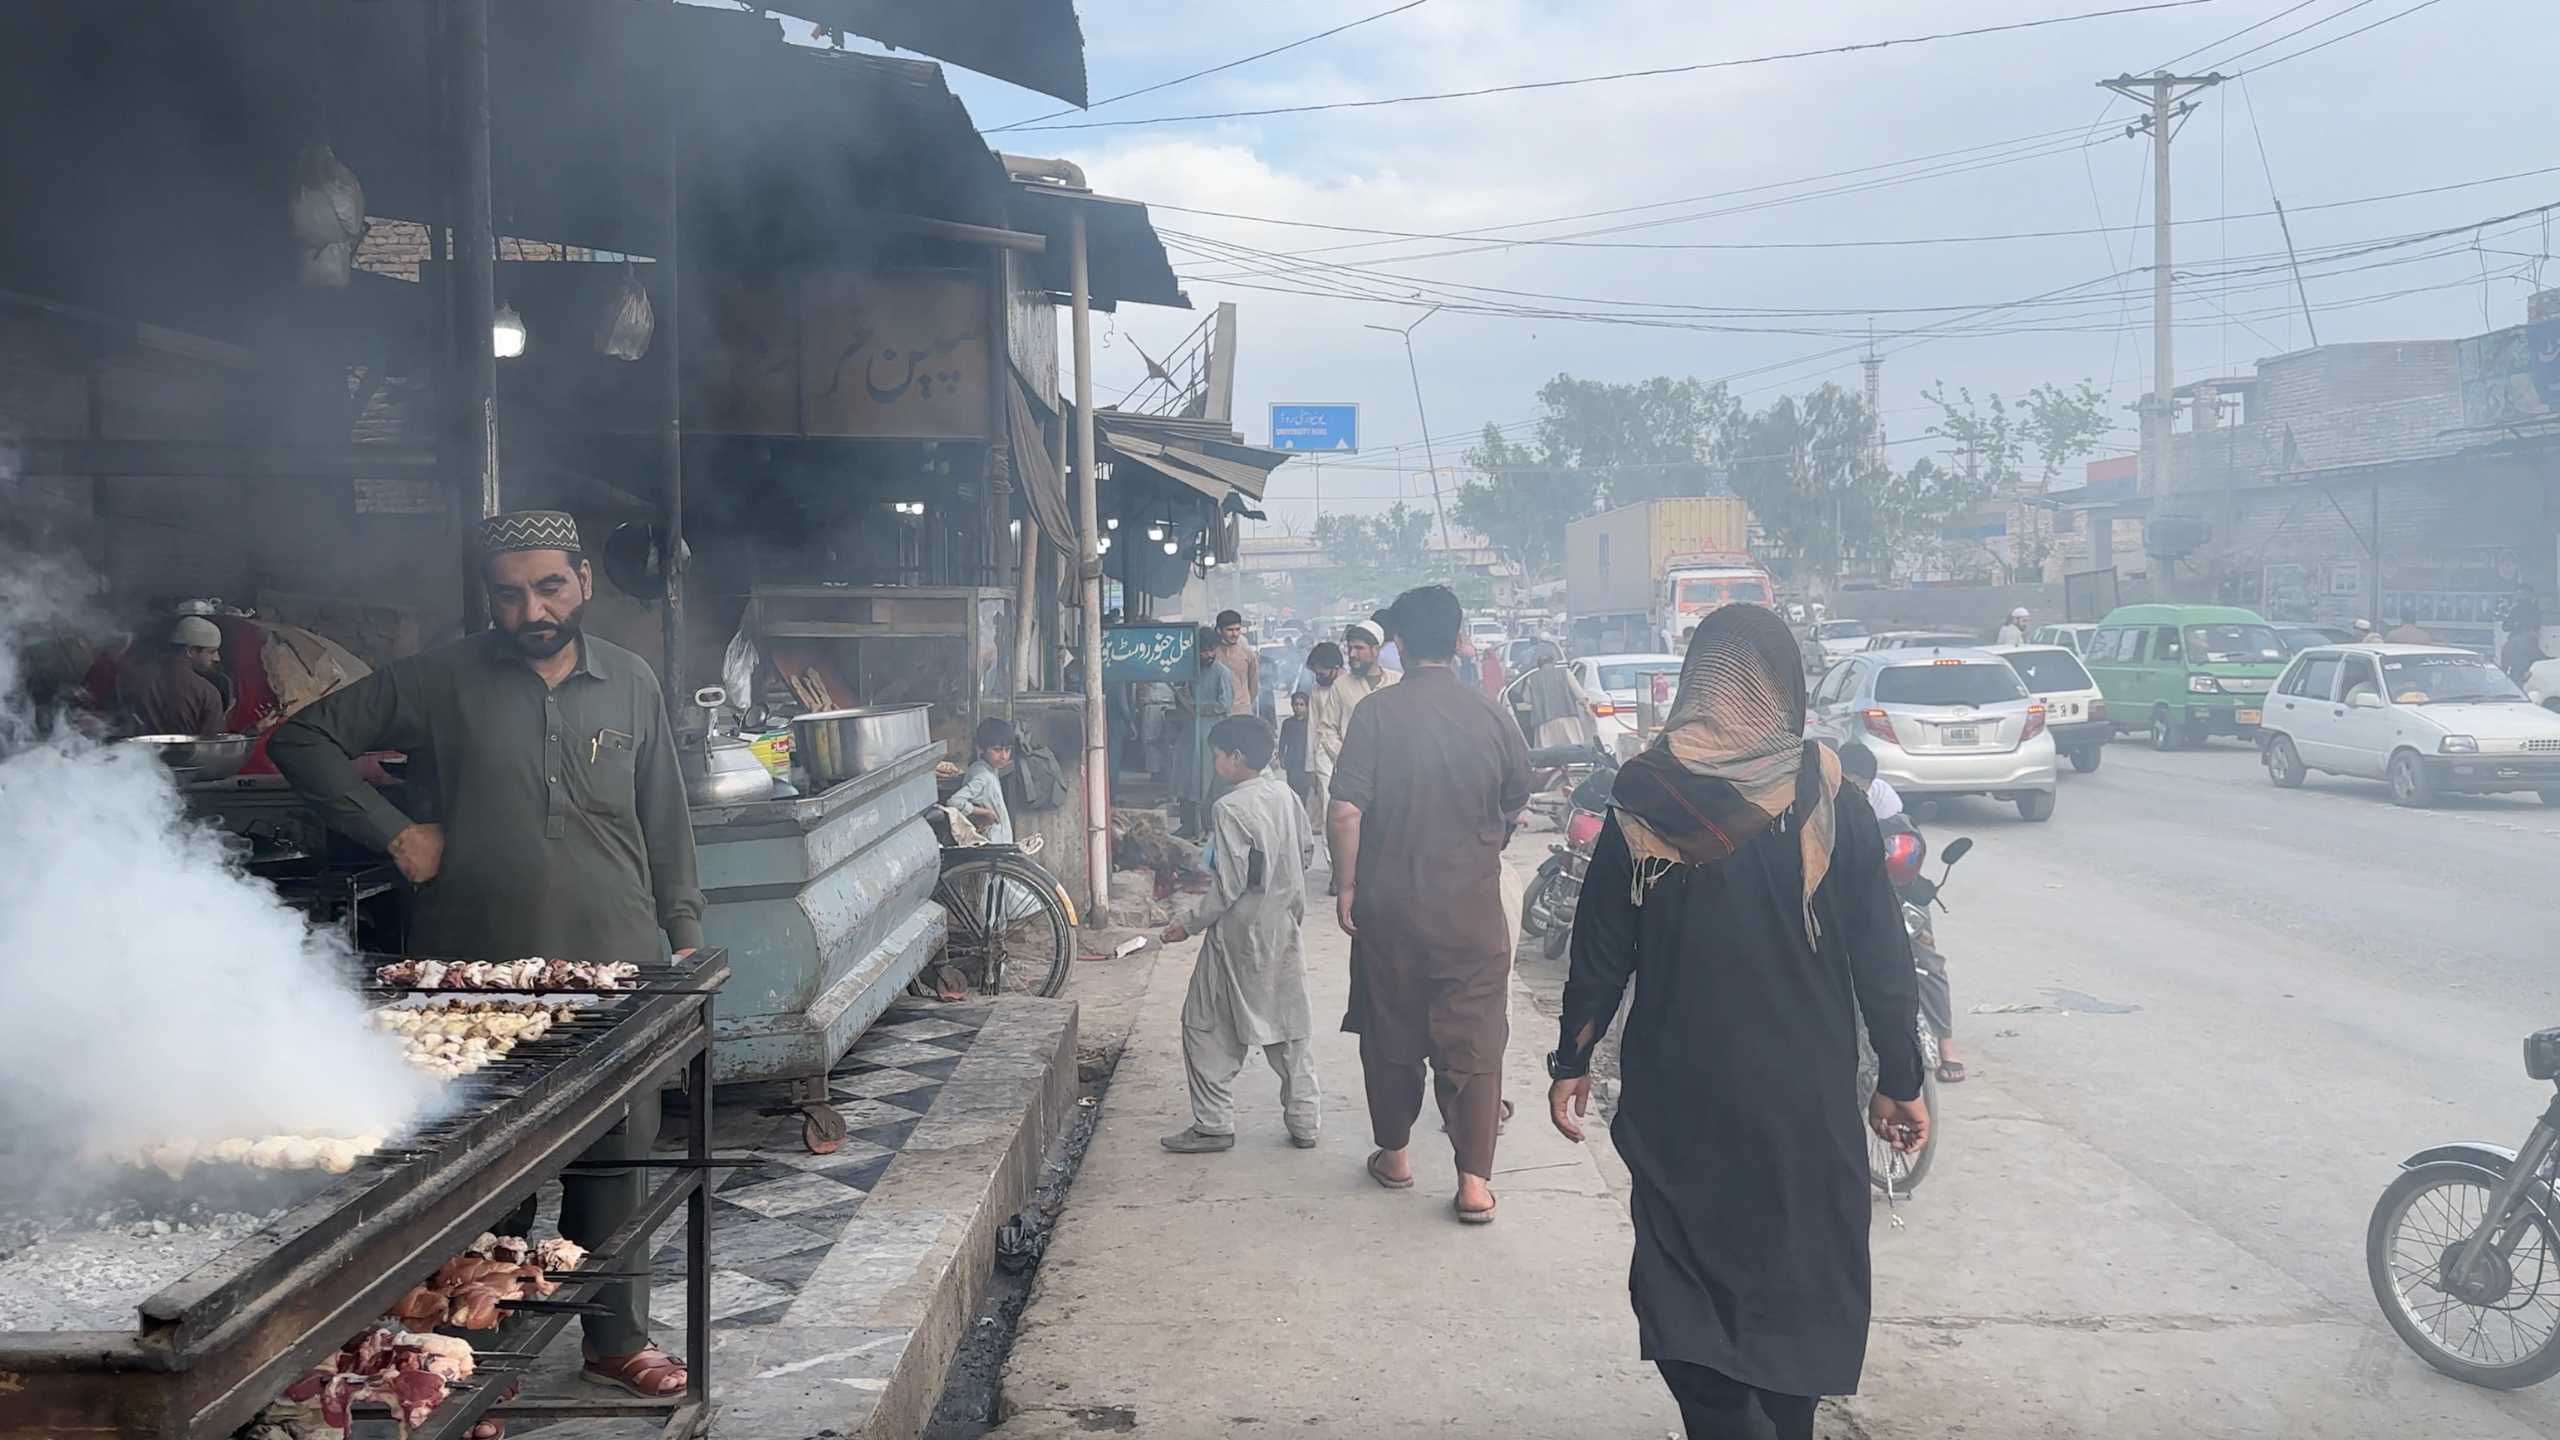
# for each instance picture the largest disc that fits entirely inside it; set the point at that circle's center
(1473, 1217)
(1381, 1176)
(1950, 1072)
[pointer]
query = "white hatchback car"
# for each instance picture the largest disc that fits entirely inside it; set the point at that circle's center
(1941, 722)
(2073, 709)
(2427, 719)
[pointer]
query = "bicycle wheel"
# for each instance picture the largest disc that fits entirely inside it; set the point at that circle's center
(1009, 931)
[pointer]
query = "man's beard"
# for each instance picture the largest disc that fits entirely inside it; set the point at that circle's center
(543, 640)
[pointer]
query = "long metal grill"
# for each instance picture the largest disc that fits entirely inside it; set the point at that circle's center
(215, 1346)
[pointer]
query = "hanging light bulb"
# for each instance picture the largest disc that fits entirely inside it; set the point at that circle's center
(1208, 559)
(1111, 524)
(506, 333)
(1173, 547)
(1155, 531)
(1102, 546)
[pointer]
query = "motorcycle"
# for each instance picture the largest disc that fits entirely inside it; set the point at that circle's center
(2464, 1249)
(1547, 906)
(1897, 1173)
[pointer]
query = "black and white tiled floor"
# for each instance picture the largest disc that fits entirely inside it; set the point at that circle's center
(773, 1226)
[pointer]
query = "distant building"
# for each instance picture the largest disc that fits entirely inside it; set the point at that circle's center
(2416, 478)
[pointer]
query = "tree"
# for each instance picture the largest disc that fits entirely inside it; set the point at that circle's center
(1638, 440)
(1520, 505)
(2058, 425)
(1379, 554)
(1805, 467)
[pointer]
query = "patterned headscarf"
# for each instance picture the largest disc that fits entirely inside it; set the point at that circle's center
(1731, 760)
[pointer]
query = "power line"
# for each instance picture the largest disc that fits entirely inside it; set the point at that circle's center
(1882, 182)
(1357, 282)
(1645, 74)
(1492, 231)
(2289, 34)
(1724, 245)
(1212, 70)
(2172, 62)
(2334, 39)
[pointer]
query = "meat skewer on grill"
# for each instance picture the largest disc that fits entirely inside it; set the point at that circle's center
(469, 1291)
(532, 973)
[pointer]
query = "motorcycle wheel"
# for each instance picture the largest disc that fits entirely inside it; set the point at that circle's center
(2423, 1215)
(1537, 903)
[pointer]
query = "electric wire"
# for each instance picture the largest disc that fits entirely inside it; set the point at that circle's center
(1644, 74)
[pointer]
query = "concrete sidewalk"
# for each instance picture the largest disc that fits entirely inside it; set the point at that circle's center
(1208, 1295)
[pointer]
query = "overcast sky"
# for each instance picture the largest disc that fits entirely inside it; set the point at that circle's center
(2457, 91)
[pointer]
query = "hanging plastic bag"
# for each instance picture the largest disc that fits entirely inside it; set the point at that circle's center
(738, 672)
(628, 320)
(326, 216)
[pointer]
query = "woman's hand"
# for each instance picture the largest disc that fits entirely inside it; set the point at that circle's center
(1903, 1124)
(1342, 912)
(1567, 1102)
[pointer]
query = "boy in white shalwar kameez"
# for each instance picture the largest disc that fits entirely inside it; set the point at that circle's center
(1249, 985)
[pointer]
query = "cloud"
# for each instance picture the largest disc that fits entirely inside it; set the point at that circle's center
(1502, 159)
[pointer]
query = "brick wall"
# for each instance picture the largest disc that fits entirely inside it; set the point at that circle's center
(2328, 408)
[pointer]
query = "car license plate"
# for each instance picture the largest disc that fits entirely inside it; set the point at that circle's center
(2246, 717)
(1960, 735)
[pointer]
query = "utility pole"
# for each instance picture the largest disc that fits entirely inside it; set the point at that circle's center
(1429, 458)
(2168, 98)
(1873, 364)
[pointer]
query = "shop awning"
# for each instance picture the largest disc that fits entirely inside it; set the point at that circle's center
(1213, 466)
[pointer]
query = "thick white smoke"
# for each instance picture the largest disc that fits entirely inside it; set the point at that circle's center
(149, 990)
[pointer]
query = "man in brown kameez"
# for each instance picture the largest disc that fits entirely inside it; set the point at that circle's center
(1431, 777)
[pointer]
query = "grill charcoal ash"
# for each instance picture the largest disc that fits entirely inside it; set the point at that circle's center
(86, 1275)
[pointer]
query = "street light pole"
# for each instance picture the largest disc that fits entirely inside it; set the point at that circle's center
(1429, 457)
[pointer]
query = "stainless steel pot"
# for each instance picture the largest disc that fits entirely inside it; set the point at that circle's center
(833, 746)
(198, 758)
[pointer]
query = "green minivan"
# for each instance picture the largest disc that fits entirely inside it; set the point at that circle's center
(2186, 671)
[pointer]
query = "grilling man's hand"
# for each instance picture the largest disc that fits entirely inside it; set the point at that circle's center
(419, 852)
(1342, 912)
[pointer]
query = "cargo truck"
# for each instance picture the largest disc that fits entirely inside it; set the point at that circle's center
(1638, 577)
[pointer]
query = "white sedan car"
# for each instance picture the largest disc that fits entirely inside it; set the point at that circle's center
(2426, 719)
(1618, 686)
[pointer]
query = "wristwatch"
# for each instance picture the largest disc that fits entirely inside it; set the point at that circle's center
(1562, 1067)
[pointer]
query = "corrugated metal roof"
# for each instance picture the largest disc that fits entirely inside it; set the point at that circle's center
(1036, 44)
(1124, 258)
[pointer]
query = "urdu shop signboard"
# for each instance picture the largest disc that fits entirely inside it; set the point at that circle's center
(1148, 652)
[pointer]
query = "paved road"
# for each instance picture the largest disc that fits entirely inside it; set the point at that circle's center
(2149, 1217)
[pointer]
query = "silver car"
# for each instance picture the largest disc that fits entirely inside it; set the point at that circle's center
(1942, 721)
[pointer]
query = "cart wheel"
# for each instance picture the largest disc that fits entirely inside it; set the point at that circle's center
(822, 1129)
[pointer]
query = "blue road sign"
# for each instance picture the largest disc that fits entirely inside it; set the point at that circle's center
(1333, 429)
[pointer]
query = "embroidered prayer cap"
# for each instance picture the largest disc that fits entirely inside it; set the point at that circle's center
(530, 530)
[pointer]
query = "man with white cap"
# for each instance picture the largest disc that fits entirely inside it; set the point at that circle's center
(558, 828)
(175, 691)
(2015, 632)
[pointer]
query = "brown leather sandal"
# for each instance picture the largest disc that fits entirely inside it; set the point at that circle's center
(650, 1373)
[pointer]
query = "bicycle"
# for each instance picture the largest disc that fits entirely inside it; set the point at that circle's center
(1012, 926)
